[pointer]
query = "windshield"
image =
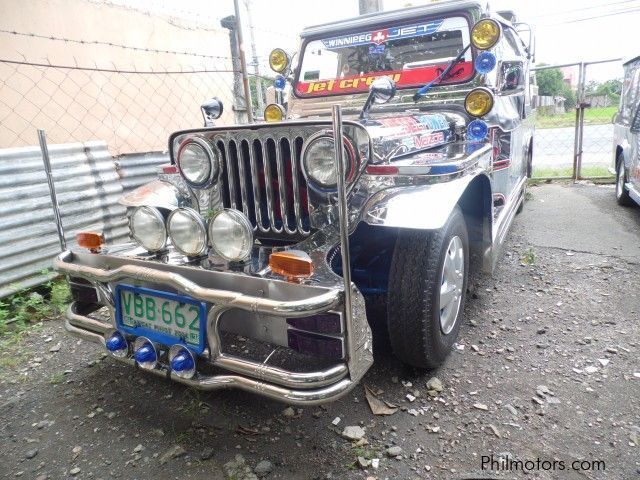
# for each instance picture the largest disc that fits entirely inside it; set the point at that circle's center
(411, 55)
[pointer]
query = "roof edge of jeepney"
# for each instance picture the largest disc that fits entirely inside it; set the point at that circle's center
(630, 60)
(408, 13)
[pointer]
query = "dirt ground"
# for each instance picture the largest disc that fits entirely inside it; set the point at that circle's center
(546, 371)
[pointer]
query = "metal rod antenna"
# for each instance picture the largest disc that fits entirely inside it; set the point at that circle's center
(343, 218)
(243, 64)
(52, 189)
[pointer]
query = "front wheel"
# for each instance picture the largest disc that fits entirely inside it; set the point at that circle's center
(622, 194)
(427, 285)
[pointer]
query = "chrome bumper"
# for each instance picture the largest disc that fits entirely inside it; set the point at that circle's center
(302, 388)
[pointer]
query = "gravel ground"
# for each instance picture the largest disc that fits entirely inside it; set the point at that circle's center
(546, 370)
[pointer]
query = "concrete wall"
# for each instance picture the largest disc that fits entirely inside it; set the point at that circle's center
(132, 112)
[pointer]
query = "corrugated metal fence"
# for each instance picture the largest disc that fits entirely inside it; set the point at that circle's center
(89, 182)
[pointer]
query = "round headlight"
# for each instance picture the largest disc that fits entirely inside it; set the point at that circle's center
(231, 235)
(485, 34)
(198, 162)
(478, 102)
(278, 60)
(148, 229)
(187, 232)
(318, 159)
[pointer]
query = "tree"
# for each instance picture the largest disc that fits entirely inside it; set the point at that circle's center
(550, 82)
(569, 97)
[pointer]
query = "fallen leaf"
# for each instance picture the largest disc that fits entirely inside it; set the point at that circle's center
(378, 406)
(247, 431)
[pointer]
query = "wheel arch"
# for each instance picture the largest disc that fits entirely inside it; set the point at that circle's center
(476, 205)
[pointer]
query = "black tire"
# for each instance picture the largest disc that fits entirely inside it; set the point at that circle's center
(622, 194)
(415, 278)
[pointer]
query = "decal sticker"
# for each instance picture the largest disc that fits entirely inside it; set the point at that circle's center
(376, 50)
(403, 78)
(413, 124)
(380, 36)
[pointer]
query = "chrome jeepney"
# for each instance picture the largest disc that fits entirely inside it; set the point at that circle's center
(261, 256)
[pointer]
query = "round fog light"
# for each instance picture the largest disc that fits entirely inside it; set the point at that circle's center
(116, 344)
(147, 228)
(478, 102)
(145, 353)
(182, 362)
(187, 232)
(485, 33)
(231, 235)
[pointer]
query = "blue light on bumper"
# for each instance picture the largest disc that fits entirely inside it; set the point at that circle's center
(117, 344)
(145, 353)
(181, 361)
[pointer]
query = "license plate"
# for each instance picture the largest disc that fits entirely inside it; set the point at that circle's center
(162, 317)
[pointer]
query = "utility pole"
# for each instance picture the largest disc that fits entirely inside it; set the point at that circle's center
(239, 104)
(256, 67)
(243, 64)
(370, 6)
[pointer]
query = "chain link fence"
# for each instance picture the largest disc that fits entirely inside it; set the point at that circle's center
(601, 100)
(132, 110)
(574, 131)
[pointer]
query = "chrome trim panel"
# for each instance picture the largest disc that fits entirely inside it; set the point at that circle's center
(159, 194)
(396, 206)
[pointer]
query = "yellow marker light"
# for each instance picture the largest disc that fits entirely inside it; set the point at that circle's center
(273, 113)
(478, 102)
(278, 60)
(485, 34)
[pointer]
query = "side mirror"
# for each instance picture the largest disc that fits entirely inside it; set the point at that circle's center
(381, 91)
(511, 78)
(211, 111)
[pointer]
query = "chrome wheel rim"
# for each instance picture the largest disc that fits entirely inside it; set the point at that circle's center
(620, 182)
(451, 285)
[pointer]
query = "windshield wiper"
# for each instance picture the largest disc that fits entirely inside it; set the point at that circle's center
(423, 90)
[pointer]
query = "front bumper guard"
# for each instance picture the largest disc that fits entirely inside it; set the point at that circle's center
(303, 388)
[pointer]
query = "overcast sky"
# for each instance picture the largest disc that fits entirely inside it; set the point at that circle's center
(566, 30)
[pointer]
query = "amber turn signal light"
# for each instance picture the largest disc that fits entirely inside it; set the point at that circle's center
(91, 240)
(292, 264)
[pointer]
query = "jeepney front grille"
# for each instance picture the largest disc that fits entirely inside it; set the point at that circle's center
(263, 179)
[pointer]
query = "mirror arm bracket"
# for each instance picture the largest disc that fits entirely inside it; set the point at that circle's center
(364, 114)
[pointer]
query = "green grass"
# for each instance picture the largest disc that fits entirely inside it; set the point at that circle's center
(528, 257)
(592, 116)
(29, 307)
(588, 171)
